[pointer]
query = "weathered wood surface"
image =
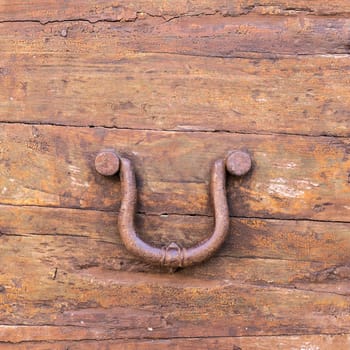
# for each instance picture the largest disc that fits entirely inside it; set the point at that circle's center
(309, 95)
(213, 36)
(268, 76)
(98, 302)
(124, 10)
(94, 303)
(66, 276)
(293, 176)
(249, 343)
(291, 240)
(255, 247)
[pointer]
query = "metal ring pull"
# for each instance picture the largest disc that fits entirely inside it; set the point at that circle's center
(237, 163)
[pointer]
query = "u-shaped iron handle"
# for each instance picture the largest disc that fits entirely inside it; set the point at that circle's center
(107, 163)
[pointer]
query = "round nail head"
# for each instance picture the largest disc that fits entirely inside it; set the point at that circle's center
(107, 163)
(238, 163)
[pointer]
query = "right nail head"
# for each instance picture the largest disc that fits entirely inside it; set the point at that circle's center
(107, 163)
(238, 163)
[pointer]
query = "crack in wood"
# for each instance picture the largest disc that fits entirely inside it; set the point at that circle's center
(161, 214)
(180, 131)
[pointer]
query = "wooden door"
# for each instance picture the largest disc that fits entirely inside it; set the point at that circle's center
(174, 85)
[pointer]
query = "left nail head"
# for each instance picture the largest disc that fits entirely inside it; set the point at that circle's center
(107, 163)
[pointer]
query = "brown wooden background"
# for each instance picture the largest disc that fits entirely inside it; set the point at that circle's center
(175, 85)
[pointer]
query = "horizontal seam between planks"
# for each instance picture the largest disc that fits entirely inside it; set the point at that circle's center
(165, 338)
(327, 135)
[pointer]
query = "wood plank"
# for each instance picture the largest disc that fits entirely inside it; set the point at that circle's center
(304, 241)
(172, 93)
(60, 255)
(319, 342)
(213, 36)
(71, 254)
(64, 275)
(66, 278)
(95, 303)
(293, 176)
(129, 11)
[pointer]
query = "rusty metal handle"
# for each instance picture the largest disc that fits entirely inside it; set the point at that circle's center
(238, 163)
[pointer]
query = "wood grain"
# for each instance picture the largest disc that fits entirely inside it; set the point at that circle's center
(174, 86)
(268, 252)
(101, 304)
(64, 275)
(304, 241)
(213, 36)
(123, 10)
(75, 255)
(309, 95)
(321, 342)
(293, 176)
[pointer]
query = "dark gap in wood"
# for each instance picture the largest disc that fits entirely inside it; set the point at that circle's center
(291, 11)
(200, 131)
(145, 338)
